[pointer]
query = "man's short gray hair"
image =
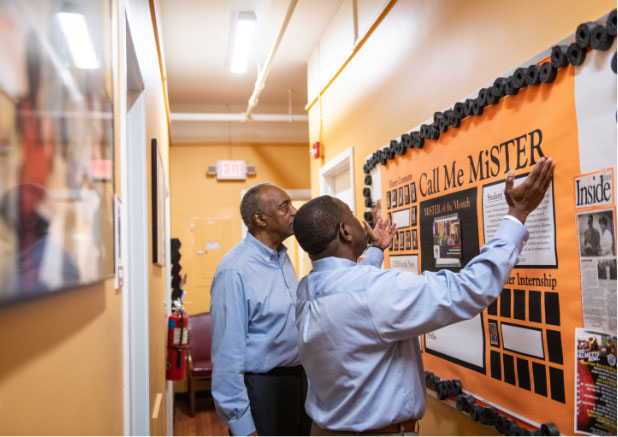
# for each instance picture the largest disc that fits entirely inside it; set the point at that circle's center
(252, 203)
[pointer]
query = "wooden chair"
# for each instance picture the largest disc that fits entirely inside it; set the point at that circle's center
(199, 362)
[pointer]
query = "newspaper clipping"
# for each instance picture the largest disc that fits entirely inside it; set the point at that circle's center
(597, 249)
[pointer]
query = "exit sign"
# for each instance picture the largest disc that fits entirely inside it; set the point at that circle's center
(228, 169)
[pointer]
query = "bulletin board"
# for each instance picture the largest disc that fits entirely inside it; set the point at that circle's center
(442, 184)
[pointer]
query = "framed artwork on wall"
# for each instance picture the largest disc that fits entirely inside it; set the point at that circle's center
(56, 147)
(158, 205)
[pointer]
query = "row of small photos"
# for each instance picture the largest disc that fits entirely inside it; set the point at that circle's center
(405, 240)
(401, 196)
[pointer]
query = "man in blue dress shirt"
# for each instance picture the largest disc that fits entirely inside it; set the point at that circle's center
(359, 325)
(257, 382)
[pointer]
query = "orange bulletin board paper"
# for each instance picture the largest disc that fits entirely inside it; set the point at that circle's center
(456, 185)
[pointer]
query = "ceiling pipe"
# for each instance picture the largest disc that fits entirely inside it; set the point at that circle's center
(263, 72)
(186, 116)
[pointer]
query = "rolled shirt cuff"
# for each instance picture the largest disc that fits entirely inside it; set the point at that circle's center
(244, 425)
(513, 230)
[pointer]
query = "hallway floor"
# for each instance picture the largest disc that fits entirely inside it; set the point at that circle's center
(206, 420)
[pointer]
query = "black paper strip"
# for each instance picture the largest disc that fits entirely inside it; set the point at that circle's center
(534, 306)
(552, 308)
(498, 87)
(509, 90)
(505, 303)
(366, 192)
(469, 107)
(575, 54)
(583, 32)
(523, 373)
(406, 141)
(611, 23)
(533, 75)
(540, 379)
(509, 368)
(434, 132)
(600, 39)
(554, 346)
(559, 57)
(548, 72)
(556, 384)
(518, 79)
(453, 119)
(417, 140)
(519, 304)
(495, 365)
(367, 179)
(459, 110)
(425, 131)
(477, 108)
(368, 202)
(482, 97)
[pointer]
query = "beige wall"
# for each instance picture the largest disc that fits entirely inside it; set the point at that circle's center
(424, 56)
(206, 210)
(61, 369)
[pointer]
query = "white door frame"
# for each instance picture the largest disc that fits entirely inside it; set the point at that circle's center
(341, 162)
(134, 214)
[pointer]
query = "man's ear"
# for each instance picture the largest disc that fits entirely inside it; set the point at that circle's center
(344, 232)
(258, 220)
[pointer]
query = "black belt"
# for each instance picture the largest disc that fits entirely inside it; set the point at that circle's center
(279, 371)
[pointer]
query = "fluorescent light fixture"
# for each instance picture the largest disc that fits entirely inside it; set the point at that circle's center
(242, 42)
(78, 39)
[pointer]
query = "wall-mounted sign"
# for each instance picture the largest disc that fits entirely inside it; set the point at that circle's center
(228, 169)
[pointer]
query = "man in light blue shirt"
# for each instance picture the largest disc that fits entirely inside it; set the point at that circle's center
(258, 384)
(359, 325)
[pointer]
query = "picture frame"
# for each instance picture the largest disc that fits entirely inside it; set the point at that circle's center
(413, 192)
(158, 205)
(57, 166)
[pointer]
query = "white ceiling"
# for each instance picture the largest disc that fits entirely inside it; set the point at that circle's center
(196, 39)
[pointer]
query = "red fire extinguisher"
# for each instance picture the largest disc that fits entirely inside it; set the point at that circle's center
(177, 346)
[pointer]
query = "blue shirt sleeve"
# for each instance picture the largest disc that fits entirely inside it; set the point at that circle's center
(373, 257)
(408, 305)
(228, 310)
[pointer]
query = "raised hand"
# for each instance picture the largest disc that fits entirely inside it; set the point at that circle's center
(524, 198)
(382, 233)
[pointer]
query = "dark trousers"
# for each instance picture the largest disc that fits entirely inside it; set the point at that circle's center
(277, 401)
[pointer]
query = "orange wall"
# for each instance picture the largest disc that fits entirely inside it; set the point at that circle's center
(424, 56)
(200, 199)
(61, 369)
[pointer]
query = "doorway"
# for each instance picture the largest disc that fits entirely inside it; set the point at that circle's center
(337, 178)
